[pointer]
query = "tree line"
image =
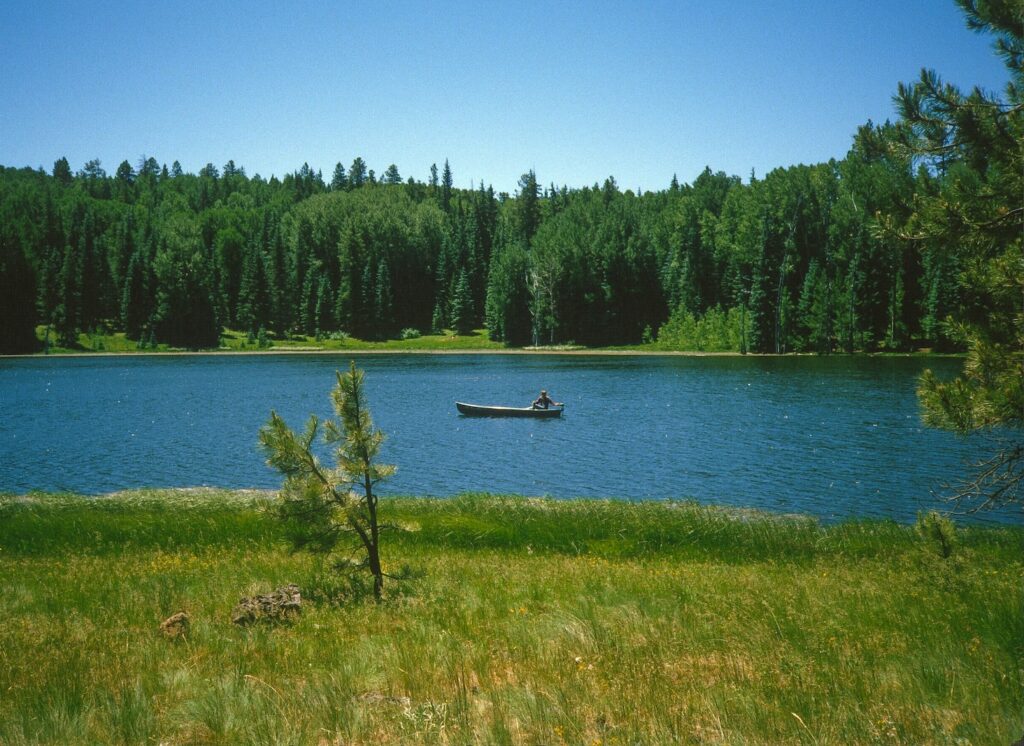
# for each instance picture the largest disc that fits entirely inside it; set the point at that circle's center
(799, 260)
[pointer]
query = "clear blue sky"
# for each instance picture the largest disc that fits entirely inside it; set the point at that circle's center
(577, 91)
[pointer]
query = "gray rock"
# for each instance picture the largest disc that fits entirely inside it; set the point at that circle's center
(278, 605)
(175, 626)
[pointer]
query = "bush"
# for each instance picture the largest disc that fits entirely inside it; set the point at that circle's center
(410, 333)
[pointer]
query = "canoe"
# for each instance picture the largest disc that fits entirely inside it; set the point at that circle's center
(481, 410)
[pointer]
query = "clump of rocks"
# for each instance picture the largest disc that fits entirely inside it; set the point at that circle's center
(278, 605)
(175, 626)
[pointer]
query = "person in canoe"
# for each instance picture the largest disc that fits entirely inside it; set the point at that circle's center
(544, 401)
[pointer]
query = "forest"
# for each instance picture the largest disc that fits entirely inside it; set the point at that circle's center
(832, 257)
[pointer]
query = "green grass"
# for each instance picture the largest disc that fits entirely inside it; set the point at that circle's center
(235, 341)
(534, 622)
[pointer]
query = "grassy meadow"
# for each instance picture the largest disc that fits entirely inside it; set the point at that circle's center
(529, 622)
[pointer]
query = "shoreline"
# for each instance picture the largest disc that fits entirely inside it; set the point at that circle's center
(596, 352)
(193, 495)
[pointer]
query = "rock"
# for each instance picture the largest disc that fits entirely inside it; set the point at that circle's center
(378, 698)
(278, 605)
(175, 626)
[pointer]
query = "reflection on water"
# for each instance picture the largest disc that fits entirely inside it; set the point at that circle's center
(829, 436)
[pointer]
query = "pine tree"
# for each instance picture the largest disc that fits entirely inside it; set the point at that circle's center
(438, 320)
(68, 313)
(253, 294)
(62, 172)
(976, 219)
(322, 506)
(446, 187)
(462, 306)
(357, 173)
(281, 299)
(508, 297)
(309, 300)
(137, 294)
(383, 300)
(528, 206)
(339, 181)
(185, 313)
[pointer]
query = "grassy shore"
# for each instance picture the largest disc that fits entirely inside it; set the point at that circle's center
(534, 622)
(231, 341)
(235, 341)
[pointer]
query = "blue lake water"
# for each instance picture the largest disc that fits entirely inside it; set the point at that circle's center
(834, 437)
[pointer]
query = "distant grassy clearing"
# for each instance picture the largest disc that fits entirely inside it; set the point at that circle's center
(536, 622)
(236, 341)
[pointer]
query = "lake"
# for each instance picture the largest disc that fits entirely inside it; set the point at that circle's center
(830, 436)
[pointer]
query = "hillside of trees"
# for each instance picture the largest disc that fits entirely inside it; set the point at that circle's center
(799, 260)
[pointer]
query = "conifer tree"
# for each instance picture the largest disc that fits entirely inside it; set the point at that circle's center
(339, 181)
(62, 171)
(324, 311)
(357, 173)
(438, 320)
(529, 206)
(68, 313)
(253, 295)
(462, 306)
(508, 297)
(136, 294)
(976, 220)
(383, 300)
(446, 187)
(323, 506)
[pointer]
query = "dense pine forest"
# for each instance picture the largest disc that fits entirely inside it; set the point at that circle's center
(821, 258)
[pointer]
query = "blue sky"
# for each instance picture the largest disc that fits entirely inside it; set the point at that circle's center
(576, 91)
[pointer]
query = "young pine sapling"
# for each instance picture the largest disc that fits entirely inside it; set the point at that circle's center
(322, 505)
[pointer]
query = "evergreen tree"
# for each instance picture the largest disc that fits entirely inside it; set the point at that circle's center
(438, 320)
(321, 506)
(339, 182)
(62, 172)
(446, 187)
(137, 294)
(281, 299)
(383, 300)
(977, 219)
(67, 318)
(185, 314)
(323, 313)
(529, 206)
(253, 295)
(310, 300)
(357, 173)
(462, 306)
(508, 297)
